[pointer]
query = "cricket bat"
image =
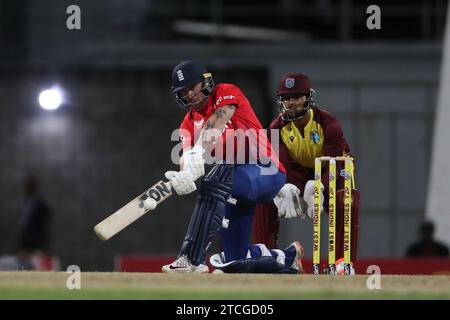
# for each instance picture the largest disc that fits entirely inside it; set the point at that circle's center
(132, 211)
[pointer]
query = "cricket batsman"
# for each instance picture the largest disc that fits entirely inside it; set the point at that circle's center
(305, 132)
(228, 194)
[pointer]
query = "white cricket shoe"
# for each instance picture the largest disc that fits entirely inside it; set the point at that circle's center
(183, 265)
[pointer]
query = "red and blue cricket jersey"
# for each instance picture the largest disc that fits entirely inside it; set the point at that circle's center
(243, 120)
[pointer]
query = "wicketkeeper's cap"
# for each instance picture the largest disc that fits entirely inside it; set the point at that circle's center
(294, 82)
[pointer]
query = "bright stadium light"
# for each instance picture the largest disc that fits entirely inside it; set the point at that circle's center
(50, 99)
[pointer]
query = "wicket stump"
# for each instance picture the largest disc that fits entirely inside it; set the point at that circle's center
(348, 185)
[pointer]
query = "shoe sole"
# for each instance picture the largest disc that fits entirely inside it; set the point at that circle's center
(299, 248)
(177, 270)
(298, 257)
(184, 270)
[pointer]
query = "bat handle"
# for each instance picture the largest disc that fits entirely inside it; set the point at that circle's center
(168, 184)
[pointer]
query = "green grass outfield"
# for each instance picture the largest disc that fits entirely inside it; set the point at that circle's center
(101, 285)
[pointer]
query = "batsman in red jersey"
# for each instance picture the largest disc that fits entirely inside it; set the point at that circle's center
(305, 132)
(242, 176)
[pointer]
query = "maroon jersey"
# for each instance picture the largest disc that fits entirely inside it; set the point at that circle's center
(321, 136)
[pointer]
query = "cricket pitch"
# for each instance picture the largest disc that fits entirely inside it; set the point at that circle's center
(103, 285)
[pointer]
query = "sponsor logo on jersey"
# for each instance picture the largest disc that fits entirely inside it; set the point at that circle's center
(221, 98)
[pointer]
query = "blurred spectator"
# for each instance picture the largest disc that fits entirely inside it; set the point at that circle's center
(34, 224)
(427, 246)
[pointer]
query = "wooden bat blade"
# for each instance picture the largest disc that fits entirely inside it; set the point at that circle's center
(132, 211)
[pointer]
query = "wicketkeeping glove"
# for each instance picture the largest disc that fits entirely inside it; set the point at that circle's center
(288, 202)
(308, 197)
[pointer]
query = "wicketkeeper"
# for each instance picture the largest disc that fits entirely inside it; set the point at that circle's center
(230, 191)
(305, 132)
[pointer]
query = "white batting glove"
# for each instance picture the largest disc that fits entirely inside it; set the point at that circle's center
(288, 202)
(194, 162)
(182, 181)
(308, 197)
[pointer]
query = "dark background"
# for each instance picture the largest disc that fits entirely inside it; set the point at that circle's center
(111, 138)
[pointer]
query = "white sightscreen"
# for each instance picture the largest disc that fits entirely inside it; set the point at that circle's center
(438, 199)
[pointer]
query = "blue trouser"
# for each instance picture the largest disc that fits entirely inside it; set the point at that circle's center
(249, 188)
